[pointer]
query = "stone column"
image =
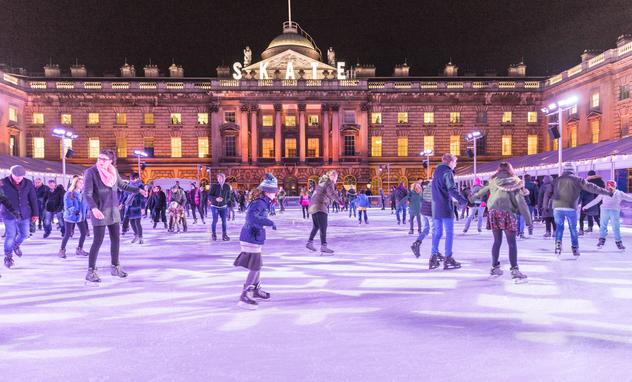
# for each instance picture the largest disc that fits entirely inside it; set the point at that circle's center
(243, 133)
(254, 129)
(302, 141)
(325, 127)
(335, 134)
(364, 132)
(277, 132)
(216, 137)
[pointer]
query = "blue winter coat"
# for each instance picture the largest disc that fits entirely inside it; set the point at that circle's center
(75, 207)
(362, 201)
(443, 190)
(253, 230)
(21, 197)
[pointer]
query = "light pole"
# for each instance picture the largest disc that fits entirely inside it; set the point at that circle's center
(140, 153)
(558, 108)
(427, 153)
(63, 135)
(473, 137)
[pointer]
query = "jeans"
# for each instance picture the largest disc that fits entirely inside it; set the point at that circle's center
(99, 233)
(83, 230)
(608, 215)
(437, 232)
(426, 228)
(366, 218)
(401, 207)
(15, 233)
(221, 212)
(319, 220)
(560, 216)
(477, 213)
(511, 242)
(352, 209)
(521, 221)
(48, 221)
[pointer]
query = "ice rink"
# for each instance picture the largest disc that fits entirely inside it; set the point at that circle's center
(372, 312)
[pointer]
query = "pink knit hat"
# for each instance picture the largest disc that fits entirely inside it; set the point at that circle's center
(477, 181)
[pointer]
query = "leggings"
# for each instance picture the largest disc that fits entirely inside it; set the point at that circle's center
(319, 220)
(99, 234)
(412, 219)
(70, 227)
(513, 248)
(550, 222)
(366, 218)
(136, 227)
(305, 211)
(252, 279)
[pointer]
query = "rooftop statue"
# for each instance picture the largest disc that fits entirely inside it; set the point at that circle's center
(247, 56)
(331, 56)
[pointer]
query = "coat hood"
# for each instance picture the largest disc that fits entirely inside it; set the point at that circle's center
(507, 182)
(547, 179)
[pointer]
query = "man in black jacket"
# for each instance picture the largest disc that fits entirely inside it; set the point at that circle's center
(532, 201)
(220, 196)
(53, 207)
(21, 195)
(40, 192)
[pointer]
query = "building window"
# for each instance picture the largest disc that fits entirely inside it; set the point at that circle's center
(455, 144)
(532, 117)
(66, 119)
(455, 117)
(38, 118)
(429, 118)
(402, 117)
(121, 147)
(313, 147)
(67, 144)
(13, 114)
(121, 118)
(506, 117)
(267, 148)
(94, 147)
(290, 148)
(148, 145)
(376, 146)
(573, 135)
(312, 120)
(572, 111)
(624, 92)
(267, 120)
(594, 130)
(594, 100)
(556, 144)
(428, 142)
(532, 144)
(202, 118)
(481, 117)
(290, 120)
(93, 118)
(202, 147)
(506, 145)
(349, 145)
(402, 146)
(38, 147)
(148, 118)
(230, 148)
(376, 118)
(229, 117)
(175, 118)
(176, 147)
(13, 147)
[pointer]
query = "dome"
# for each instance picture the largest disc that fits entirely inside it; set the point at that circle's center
(291, 39)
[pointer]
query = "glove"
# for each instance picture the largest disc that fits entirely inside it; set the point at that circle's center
(274, 227)
(483, 204)
(77, 213)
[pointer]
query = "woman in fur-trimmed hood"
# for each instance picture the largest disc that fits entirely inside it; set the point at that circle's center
(505, 200)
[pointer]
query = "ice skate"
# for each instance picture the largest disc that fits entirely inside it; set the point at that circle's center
(247, 301)
(547, 235)
(411, 232)
(324, 251)
(81, 252)
(495, 272)
(141, 241)
(434, 262)
(17, 251)
(581, 232)
(601, 243)
(8, 260)
(224, 237)
(517, 276)
(450, 263)
(115, 270)
(135, 239)
(558, 248)
(440, 256)
(62, 253)
(214, 237)
(620, 245)
(310, 246)
(260, 293)
(415, 248)
(155, 224)
(92, 278)
(575, 251)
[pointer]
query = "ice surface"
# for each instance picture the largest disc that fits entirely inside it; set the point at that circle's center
(372, 312)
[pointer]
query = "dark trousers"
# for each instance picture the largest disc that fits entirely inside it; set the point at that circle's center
(159, 215)
(412, 221)
(125, 224)
(591, 221)
(136, 227)
(319, 220)
(114, 231)
(513, 247)
(221, 213)
(550, 222)
(70, 227)
(366, 218)
(305, 210)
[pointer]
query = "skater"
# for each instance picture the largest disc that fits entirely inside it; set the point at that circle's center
(324, 194)
(281, 198)
(18, 197)
(478, 207)
(505, 201)
(231, 205)
(193, 198)
(53, 207)
(610, 212)
(391, 197)
(102, 183)
(363, 204)
(351, 200)
(400, 202)
(133, 212)
(414, 197)
(566, 193)
(586, 197)
(382, 199)
(40, 192)
(426, 218)
(545, 205)
(443, 191)
(304, 202)
(157, 203)
(252, 238)
(220, 195)
(176, 218)
(75, 213)
(532, 201)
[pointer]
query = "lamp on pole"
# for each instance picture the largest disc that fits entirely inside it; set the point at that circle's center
(473, 137)
(427, 153)
(558, 108)
(63, 135)
(139, 154)
(388, 175)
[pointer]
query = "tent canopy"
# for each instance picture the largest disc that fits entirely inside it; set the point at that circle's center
(37, 168)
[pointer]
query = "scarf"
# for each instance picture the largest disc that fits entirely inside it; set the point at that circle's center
(108, 176)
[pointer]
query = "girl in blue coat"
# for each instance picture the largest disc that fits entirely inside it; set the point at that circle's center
(252, 238)
(363, 204)
(75, 213)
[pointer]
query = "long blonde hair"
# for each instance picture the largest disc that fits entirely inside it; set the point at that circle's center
(73, 183)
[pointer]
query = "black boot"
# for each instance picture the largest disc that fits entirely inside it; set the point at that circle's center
(247, 300)
(214, 236)
(434, 262)
(601, 243)
(620, 245)
(225, 237)
(415, 248)
(260, 293)
(450, 263)
(17, 251)
(8, 260)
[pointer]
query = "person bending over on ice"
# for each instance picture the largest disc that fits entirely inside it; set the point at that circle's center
(610, 212)
(252, 238)
(176, 218)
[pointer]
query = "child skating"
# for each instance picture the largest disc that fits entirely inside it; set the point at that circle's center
(252, 238)
(610, 213)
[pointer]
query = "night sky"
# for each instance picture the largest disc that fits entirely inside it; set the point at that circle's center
(200, 35)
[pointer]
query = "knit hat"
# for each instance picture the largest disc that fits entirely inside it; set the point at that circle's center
(611, 183)
(269, 183)
(568, 168)
(477, 181)
(591, 173)
(18, 170)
